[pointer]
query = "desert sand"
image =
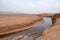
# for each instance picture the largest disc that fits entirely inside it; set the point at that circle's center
(10, 24)
(52, 33)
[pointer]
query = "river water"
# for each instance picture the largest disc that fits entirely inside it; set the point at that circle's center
(31, 33)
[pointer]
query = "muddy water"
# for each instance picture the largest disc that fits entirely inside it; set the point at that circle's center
(31, 33)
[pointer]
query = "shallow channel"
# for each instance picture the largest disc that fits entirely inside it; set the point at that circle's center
(35, 31)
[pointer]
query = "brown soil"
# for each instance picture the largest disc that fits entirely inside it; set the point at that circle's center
(52, 33)
(21, 22)
(45, 15)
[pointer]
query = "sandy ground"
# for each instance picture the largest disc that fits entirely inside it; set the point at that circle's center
(46, 15)
(9, 24)
(52, 33)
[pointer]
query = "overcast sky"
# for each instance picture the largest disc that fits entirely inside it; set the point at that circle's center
(30, 6)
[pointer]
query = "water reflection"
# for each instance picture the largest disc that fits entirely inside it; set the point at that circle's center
(35, 30)
(48, 21)
(40, 27)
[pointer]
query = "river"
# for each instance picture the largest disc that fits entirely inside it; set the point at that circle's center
(31, 33)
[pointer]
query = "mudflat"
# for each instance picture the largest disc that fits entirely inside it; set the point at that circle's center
(9, 24)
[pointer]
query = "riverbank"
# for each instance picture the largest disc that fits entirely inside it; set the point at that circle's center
(52, 33)
(15, 23)
(32, 33)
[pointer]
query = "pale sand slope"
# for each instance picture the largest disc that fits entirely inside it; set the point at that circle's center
(9, 24)
(52, 33)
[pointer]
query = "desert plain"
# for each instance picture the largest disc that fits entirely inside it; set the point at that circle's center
(15, 23)
(9, 24)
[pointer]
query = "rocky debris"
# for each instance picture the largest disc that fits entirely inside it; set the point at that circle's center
(22, 35)
(19, 37)
(52, 33)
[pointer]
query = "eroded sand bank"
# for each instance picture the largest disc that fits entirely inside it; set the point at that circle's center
(52, 33)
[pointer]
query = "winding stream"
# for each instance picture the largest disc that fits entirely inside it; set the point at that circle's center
(31, 33)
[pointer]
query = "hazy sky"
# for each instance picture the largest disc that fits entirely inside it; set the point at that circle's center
(30, 6)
